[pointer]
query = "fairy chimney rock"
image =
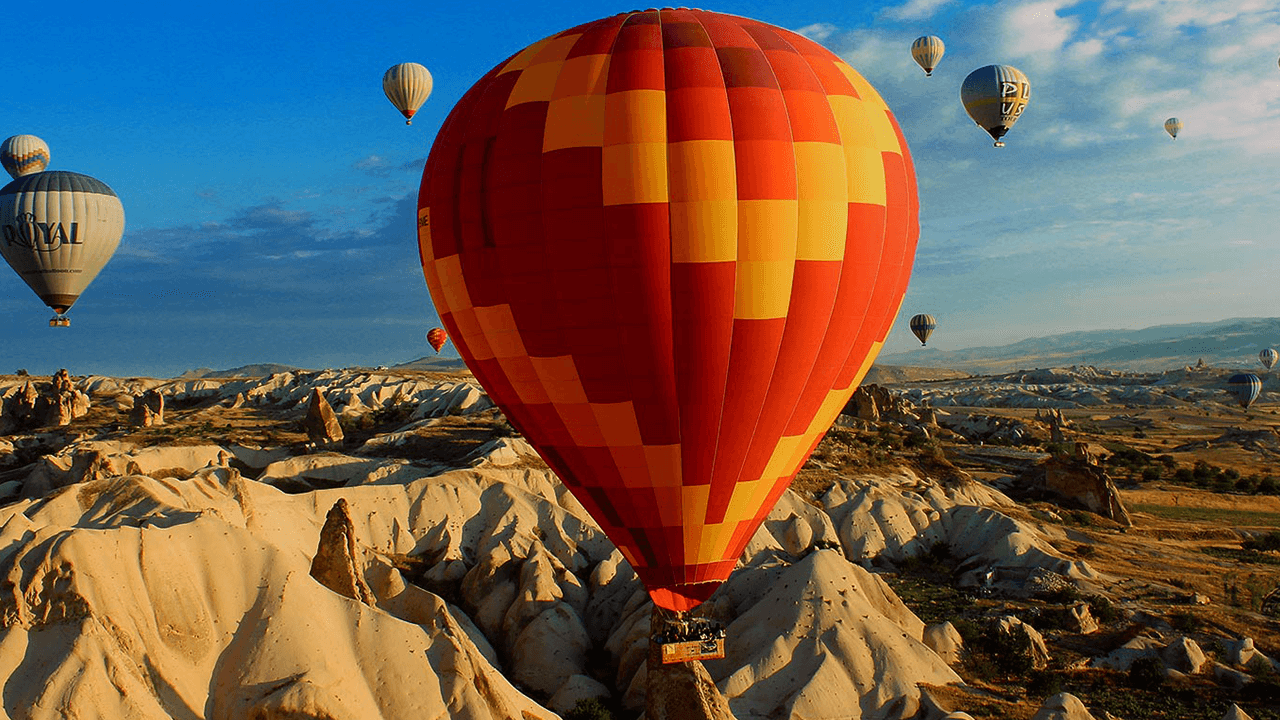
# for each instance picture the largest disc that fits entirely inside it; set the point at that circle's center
(337, 561)
(322, 423)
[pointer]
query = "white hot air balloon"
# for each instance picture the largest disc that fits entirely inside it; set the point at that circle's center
(23, 155)
(927, 52)
(59, 230)
(407, 86)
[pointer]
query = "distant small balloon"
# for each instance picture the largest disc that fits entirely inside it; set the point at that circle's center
(995, 96)
(923, 326)
(23, 155)
(1173, 126)
(927, 52)
(1246, 387)
(407, 86)
(436, 338)
(1269, 357)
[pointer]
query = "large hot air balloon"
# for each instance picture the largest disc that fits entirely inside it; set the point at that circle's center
(23, 155)
(923, 326)
(436, 338)
(669, 244)
(1173, 126)
(1269, 357)
(60, 229)
(995, 96)
(927, 52)
(1246, 387)
(407, 86)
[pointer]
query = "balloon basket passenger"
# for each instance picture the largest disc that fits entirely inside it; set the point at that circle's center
(690, 638)
(59, 320)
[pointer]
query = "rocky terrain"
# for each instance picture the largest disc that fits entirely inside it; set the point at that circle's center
(381, 544)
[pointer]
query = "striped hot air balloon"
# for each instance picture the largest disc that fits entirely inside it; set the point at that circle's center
(436, 338)
(24, 154)
(1268, 357)
(923, 326)
(60, 229)
(995, 96)
(927, 52)
(669, 244)
(1173, 126)
(1246, 387)
(407, 86)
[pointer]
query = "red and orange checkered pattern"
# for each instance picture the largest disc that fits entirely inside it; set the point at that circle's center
(669, 244)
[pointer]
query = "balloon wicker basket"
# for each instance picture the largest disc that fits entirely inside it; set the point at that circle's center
(59, 320)
(686, 639)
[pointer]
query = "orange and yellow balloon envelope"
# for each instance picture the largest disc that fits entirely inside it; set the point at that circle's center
(669, 244)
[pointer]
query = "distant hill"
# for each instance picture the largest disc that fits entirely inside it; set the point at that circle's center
(893, 374)
(1232, 343)
(257, 370)
(432, 363)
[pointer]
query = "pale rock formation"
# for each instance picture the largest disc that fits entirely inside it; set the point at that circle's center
(1063, 706)
(1010, 625)
(1184, 655)
(32, 405)
(1242, 653)
(60, 402)
(1228, 676)
(338, 562)
(148, 409)
(945, 640)
(1082, 480)
(957, 715)
(1123, 657)
(192, 598)
(550, 650)
(574, 690)
(810, 637)
(1235, 713)
(321, 424)
(1082, 620)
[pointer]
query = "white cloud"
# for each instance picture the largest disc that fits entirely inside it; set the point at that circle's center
(818, 32)
(1035, 28)
(914, 9)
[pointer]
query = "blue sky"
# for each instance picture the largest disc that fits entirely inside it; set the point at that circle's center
(269, 187)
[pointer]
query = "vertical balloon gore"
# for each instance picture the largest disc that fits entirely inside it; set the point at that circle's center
(669, 244)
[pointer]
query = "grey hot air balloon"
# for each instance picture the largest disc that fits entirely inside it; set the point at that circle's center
(1269, 357)
(995, 96)
(1246, 387)
(59, 230)
(1173, 126)
(923, 326)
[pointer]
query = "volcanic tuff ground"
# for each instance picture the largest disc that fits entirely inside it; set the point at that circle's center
(164, 571)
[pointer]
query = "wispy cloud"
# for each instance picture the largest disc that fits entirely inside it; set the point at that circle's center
(913, 9)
